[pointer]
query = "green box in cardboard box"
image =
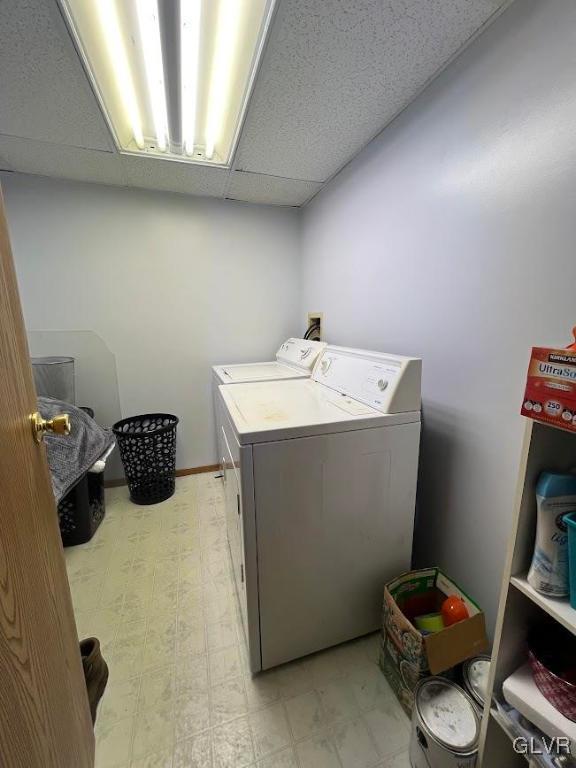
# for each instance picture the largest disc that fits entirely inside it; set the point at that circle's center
(405, 654)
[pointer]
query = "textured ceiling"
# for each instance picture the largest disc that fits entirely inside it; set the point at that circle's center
(334, 73)
(337, 71)
(44, 91)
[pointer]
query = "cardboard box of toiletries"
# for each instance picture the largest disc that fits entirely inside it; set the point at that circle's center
(406, 655)
(550, 394)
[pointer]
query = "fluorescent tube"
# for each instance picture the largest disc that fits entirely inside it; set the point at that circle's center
(190, 16)
(227, 36)
(117, 53)
(152, 54)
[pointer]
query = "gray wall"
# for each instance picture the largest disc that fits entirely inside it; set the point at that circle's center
(453, 237)
(170, 284)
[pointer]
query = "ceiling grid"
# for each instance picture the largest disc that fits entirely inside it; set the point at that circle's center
(332, 76)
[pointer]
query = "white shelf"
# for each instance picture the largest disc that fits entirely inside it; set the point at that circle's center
(558, 608)
(521, 692)
(544, 449)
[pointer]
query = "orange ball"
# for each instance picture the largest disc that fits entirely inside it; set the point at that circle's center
(454, 610)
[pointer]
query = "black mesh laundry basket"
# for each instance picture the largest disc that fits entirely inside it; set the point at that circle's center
(147, 446)
(82, 510)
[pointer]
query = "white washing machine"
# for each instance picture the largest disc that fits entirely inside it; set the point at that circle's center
(320, 485)
(294, 360)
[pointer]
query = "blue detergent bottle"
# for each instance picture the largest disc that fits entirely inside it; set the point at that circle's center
(555, 497)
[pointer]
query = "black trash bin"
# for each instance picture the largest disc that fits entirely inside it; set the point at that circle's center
(147, 446)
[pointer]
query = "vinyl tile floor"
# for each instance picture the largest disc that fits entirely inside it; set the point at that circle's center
(154, 585)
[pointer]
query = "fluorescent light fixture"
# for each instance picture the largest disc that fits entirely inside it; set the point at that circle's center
(190, 18)
(157, 65)
(108, 18)
(152, 50)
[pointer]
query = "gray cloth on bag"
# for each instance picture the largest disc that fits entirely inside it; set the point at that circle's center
(69, 458)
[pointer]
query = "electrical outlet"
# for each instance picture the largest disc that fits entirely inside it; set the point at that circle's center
(316, 319)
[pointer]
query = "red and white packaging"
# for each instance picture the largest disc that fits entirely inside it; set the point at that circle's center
(550, 394)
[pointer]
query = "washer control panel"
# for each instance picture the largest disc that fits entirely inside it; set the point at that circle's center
(300, 353)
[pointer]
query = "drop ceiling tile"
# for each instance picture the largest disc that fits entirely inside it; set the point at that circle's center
(271, 190)
(44, 91)
(46, 159)
(172, 176)
(335, 73)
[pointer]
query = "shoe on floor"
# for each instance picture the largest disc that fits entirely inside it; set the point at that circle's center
(95, 672)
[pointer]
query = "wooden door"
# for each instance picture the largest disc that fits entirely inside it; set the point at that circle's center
(44, 716)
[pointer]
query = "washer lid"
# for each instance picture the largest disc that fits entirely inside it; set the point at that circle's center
(300, 353)
(247, 372)
(448, 714)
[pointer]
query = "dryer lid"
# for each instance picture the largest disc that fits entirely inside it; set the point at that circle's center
(300, 353)
(388, 383)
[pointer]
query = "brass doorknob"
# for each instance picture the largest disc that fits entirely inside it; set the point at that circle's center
(59, 425)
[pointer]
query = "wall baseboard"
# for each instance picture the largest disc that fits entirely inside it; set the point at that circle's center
(179, 473)
(197, 470)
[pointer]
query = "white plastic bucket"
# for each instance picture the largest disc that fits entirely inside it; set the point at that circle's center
(445, 726)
